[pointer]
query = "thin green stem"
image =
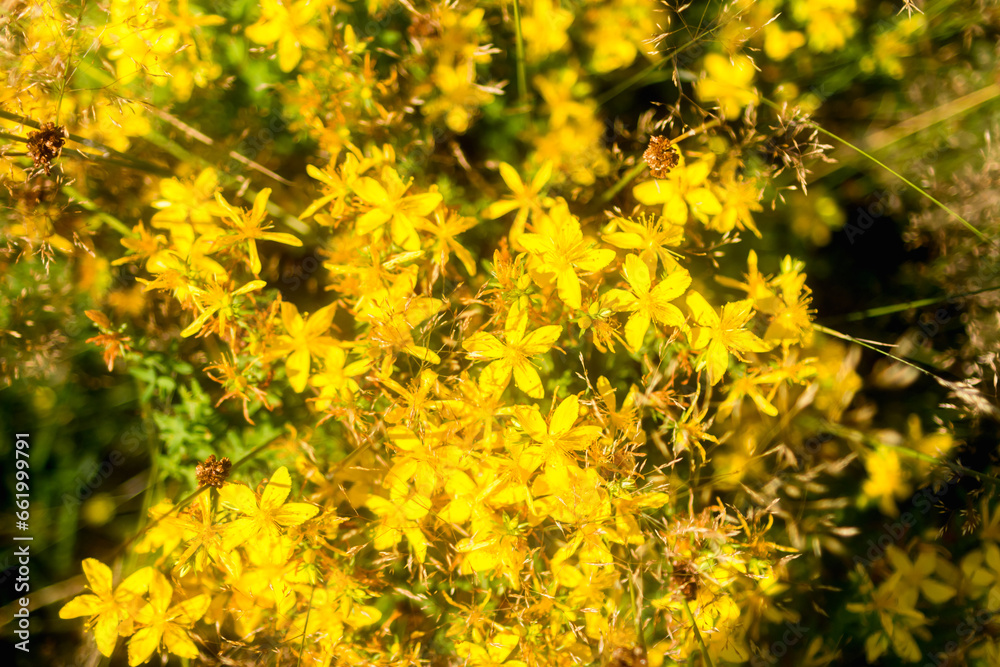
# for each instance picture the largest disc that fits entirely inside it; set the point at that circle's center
(88, 205)
(865, 344)
(853, 434)
(944, 207)
(522, 78)
(305, 625)
(629, 176)
(13, 137)
(69, 58)
(118, 157)
(898, 307)
(697, 633)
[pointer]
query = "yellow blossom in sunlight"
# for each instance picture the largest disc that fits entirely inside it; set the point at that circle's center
(304, 338)
(779, 44)
(264, 517)
(527, 199)
(646, 303)
(560, 251)
(651, 235)
(165, 624)
(887, 481)
(111, 610)
(740, 197)
(720, 335)
(249, 226)
(686, 188)
(336, 380)
(545, 26)
(561, 435)
(185, 201)
(446, 226)
(495, 653)
(389, 204)
(829, 23)
(216, 300)
(289, 26)
(394, 314)
(728, 82)
(513, 355)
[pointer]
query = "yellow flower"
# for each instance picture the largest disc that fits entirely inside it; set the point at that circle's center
(544, 27)
(739, 197)
(446, 226)
(265, 517)
(166, 624)
(646, 303)
(304, 338)
(513, 355)
(559, 436)
(722, 336)
(685, 188)
(560, 251)
(289, 26)
(917, 577)
(249, 226)
(111, 611)
(651, 235)
(779, 44)
(728, 82)
(185, 202)
(336, 380)
(886, 481)
(495, 654)
(216, 300)
(388, 203)
(527, 199)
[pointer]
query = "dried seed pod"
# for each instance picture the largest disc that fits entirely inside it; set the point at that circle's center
(628, 657)
(661, 156)
(46, 144)
(212, 472)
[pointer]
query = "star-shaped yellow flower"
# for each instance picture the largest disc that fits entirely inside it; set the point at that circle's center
(647, 303)
(249, 227)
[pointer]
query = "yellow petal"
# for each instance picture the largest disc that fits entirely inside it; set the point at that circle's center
(142, 645)
(292, 514)
(277, 489)
(565, 416)
(527, 380)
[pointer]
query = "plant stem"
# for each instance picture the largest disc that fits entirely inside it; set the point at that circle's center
(69, 57)
(697, 633)
(897, 307)
(88, 205)
(944, 207)
(522, 78)
(610, 193)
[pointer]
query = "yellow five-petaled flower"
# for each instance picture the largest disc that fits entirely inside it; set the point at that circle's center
(249, 227)
(513, 355)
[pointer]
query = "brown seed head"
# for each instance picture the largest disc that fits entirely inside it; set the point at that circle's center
(628, 657)
(46, 144)
(212, 472)
(661, 156)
